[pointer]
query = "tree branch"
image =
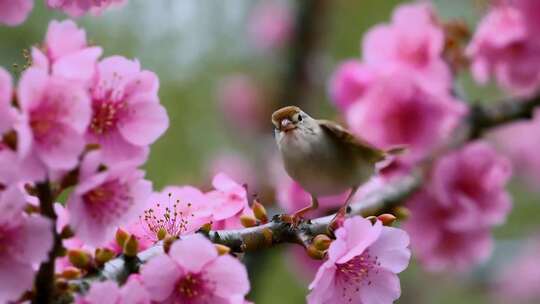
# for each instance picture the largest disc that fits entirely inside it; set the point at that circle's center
(481, 119)
(45, 277)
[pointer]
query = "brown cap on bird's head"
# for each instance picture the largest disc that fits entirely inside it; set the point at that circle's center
(285, 112)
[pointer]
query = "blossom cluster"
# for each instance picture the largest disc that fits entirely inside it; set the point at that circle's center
(15, 12)
(404, 76)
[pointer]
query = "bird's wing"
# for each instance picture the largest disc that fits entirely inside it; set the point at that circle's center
(368, 151)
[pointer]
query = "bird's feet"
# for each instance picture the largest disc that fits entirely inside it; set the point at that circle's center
(296, 218)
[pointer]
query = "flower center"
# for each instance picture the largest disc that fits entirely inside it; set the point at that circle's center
(109, 200)
(163, 221)
(355, 272)
(106, 114)
(191, 286)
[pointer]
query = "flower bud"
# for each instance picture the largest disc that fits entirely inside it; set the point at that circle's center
(248, 221)
(315, 253)
(131, 246)
(121, 237)
(79, 258)
(222, 249)
(206, 227)
(321, 242)
(260, 212)
(387, 219)
(103, 255)
(71, 273)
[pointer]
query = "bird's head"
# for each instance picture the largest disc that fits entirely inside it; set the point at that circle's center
(289, 118)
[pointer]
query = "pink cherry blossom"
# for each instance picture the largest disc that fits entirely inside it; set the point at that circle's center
(349, 82)
(66, 53)
(241, 102)
(518, 279)
(413, 41)
(514, 141)
(127, 116)
(57, 112)
(105, 199)
(504, 47)
(108, 292)
(25, 240)
(193, 272)
(471, 183)
(237, 167)
(362, 265)
(176, 211)
(398, 110)
(439, 247)
(7, 112)
(270, 25)
(451, 217)
(77, 8)
(229, 199)
(14, 12)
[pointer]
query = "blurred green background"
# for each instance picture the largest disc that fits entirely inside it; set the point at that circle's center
(192, 45)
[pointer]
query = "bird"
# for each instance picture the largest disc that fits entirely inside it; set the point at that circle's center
(324, 157)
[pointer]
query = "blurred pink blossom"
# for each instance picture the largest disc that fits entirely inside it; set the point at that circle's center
(236, 166)
(514, 140)
(25, 241)
(241, 103)
(270, 24)
(108, 292)
(14, 12)
(362, 266)
(127, 115)
(7, 112)
(66, 53)
(57, 112)
(77, 8)
(398, 110)
(505, 47)
(349, 82)
(194, 272)
(413, 41)
(451, 217)
(105, 199)
(517, 281)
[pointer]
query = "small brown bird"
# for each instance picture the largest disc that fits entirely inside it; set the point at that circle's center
(323, 157)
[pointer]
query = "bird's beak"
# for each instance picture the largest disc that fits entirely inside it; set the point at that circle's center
(287, 125)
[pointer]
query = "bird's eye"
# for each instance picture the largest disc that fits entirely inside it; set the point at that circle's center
(299, 117)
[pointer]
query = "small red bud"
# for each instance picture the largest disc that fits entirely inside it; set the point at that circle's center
(315, 253)
(121, 237)
(79, 258)
(260, 212)
(131, 246)
(222, 249)
(103, 255)
(321, 242)
(71, 273)
(248, 221)
(387, 219)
